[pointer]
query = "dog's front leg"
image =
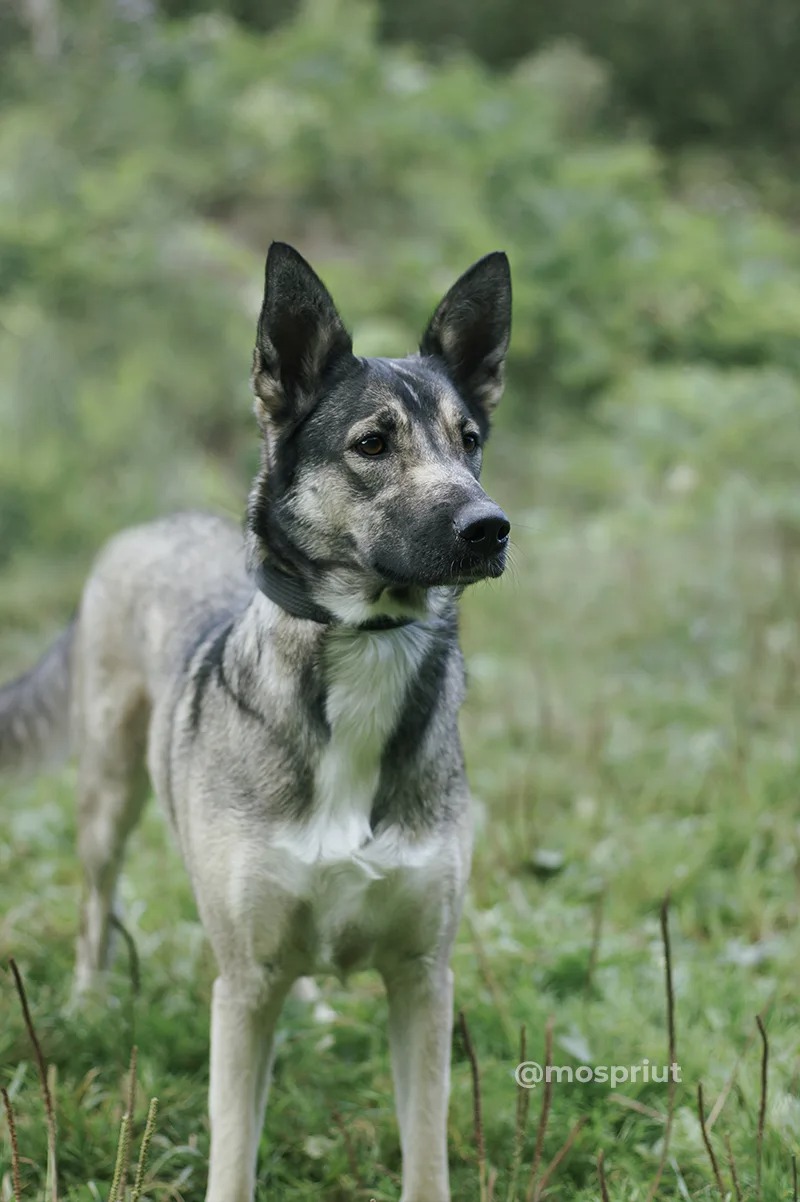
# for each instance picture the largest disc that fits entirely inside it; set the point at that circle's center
(420, 1031)
(242, 1036)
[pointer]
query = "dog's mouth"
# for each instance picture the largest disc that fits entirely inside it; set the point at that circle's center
(486, 570)
(459, 573)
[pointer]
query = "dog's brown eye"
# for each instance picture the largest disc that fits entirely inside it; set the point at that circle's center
(372, 444)
(471, 442)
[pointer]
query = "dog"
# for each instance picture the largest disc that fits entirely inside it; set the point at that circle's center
(293, 691)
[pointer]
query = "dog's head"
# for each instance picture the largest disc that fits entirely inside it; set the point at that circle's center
(369, 487)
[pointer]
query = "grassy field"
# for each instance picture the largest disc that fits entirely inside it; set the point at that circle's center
(631, 731)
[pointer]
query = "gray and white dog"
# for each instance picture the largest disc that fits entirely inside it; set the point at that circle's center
(294, 694)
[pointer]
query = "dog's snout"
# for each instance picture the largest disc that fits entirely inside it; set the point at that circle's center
(484, 526)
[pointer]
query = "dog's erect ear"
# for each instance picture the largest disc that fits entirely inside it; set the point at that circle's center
(300, 337)
(470, 331)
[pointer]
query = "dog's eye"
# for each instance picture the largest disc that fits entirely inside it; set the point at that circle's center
(471, 442)
(372, 445)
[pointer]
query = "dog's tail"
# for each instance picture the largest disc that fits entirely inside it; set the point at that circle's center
(35, 710)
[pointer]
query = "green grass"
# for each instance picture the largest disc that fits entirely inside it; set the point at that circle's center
(631, 730)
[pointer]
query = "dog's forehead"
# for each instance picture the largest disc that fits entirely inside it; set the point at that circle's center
(415, 390)
(409, 396)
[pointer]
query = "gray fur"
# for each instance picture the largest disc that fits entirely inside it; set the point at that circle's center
(34, 710)
(311, 771)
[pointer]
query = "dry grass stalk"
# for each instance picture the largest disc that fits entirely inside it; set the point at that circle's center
(707, 1142)
(718, 1106)
(119, 1182)
(131, 1109)
(671, 1043)
(134, 973)
(349, 1148)
(51, 1182)
(601, 1176)
(134, 967)
(559, 1156)
(523, 1106)
(144, 1151)
(547, 1099)
(16, 1180)
(794, 1179)
(621, 1099)
(762, 1105)
(476, 1105)
(732, 1166)
(499, 996)
(52, 1168)
(123, 1150)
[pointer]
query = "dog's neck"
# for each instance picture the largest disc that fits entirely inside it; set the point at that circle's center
(293, 595)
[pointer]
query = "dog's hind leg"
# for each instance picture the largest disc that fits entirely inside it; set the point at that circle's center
(242, 1041)
(112, 787)
(420, 1031)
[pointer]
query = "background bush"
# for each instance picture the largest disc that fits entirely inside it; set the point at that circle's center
(145, 171)
(695, 72)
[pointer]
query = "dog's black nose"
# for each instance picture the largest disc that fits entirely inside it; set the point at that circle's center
(484, 526)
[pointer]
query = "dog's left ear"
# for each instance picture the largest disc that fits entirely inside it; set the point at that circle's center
(300, 337)
(470, 332)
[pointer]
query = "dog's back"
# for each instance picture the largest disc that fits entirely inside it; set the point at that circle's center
(35, 710)
(153, 591)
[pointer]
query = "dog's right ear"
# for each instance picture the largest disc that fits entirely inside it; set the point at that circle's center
(469, 333)
(300, 337)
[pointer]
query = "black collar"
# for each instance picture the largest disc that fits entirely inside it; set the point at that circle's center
(293, 596)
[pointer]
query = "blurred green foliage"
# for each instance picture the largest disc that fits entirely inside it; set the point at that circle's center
(144, 171)
(695, 71)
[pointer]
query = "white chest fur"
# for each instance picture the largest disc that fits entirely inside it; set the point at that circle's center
(367, 678)
(334, 855)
